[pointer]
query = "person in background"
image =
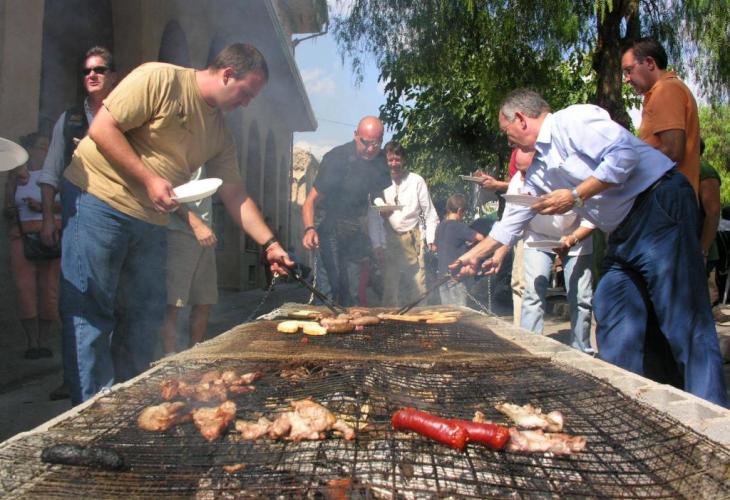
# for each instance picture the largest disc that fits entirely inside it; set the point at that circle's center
(155, 129)
(654, 271)
(710, 208)
(397, 238)
(36, 280)
(669, 119)
(349, 176)
(192, 278)
(99, 78)
(453, 237)
(575, 252)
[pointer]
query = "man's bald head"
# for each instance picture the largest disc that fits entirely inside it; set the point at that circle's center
(369, 137)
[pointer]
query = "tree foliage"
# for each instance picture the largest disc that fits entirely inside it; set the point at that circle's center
(447, 64)
(715, 126)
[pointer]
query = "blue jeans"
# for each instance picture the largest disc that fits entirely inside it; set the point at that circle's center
(342, 244)
(654, 279)
(578, 283)
(101, 248)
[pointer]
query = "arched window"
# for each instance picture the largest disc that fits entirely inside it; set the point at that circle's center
(174, 45)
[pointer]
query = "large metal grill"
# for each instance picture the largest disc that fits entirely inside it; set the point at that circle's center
(467, 339)
(632, 451)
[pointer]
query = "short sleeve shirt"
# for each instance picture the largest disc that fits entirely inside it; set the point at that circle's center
(170, 127)
(669, 105)
(452, 237)
(345, 180)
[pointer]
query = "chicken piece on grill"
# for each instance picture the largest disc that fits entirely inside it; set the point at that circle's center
(529, 417)
(308, 421)
(170, 389)
(211, 376)
(211, 422)
(161, 417)
(230, 377)
(204, 392)
(253, 430)
(538, 441)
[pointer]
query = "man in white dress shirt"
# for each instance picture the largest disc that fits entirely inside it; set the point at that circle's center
(397, 236)
(653, 268)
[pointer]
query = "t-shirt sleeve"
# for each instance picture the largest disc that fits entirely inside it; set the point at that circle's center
(466, 233)
(137, 98)
(323, 179)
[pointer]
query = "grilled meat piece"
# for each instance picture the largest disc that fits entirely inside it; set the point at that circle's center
(204, 391)
(212, 421)
(541, 442)
(86, 456)
(253, 430)
(529, 417)
(160, 418)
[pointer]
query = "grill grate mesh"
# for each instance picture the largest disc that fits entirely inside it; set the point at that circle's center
(632, 451)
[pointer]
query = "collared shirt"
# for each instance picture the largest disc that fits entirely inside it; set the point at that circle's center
(53, 165)
(412, 193)
(578, 142)
(552, 227)
(670, 105)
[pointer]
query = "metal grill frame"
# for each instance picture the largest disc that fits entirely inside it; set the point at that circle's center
(632, 451)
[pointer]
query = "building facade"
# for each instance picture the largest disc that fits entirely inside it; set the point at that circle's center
(42, 44)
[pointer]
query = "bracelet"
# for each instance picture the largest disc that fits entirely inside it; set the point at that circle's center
(271, 242)
(309, 228)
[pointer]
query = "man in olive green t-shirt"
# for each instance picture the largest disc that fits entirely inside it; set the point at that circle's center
(154, 130)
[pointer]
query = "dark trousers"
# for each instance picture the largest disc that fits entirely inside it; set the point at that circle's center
(654, 280)
(342, 243)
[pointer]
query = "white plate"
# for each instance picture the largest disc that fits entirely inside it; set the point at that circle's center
(387, 208)
(543, 244)
(525, 200)
(196, 190)
(472, 178)
(11, 155)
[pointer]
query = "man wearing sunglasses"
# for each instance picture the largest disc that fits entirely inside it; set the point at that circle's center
(99, 78)
(348, 177)
(154, 130)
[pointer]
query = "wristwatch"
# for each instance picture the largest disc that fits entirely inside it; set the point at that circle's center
(577, 200)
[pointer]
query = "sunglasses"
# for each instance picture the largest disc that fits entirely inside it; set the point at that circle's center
(99, 70)
(370, 144)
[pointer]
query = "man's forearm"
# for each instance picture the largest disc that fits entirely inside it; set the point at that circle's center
(308, 208)
(244, 212)
(591, 187)
(111, 141)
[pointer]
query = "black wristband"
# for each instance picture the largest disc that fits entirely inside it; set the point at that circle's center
(269, 243)
(309, 228)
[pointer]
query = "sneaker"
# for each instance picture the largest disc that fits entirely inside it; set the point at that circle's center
(60, 392)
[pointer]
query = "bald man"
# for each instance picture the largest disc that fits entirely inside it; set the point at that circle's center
(348, 176)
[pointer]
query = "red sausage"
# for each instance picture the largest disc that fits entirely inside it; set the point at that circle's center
(493, 435)
(448, 432)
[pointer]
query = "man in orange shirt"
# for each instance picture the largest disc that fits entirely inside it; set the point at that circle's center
(669, 119)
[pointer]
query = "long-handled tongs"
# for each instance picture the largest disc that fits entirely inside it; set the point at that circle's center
(296, 273)
(435, 286)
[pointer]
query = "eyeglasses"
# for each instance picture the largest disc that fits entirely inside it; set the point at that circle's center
(375, 143)
(628, 69)
(99, 70)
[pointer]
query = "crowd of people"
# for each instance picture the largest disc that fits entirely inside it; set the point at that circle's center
(113, 160)
(590, 176)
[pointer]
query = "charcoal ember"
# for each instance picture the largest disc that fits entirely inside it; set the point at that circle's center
(85, 456)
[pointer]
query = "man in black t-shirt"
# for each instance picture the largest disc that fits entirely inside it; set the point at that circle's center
(348, 177)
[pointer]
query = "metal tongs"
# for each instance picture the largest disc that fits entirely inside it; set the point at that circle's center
(428, 292)
(297, 274)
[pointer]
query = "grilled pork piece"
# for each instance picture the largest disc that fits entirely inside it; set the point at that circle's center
(212, 387)
(161, 417)
(541, 442)
(251, 431)
(308, 421)
(529, 417)
(211, 422)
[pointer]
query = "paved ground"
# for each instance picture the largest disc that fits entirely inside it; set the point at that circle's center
(25, 384)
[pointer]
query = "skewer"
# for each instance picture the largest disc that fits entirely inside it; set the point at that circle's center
(297, 275)
(436, 286)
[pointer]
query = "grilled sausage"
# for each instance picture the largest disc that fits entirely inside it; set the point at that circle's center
(492, 435)
(365, 320)
(448, 432)
(87, 456)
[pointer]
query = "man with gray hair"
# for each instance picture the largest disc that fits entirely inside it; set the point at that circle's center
(653, 269)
